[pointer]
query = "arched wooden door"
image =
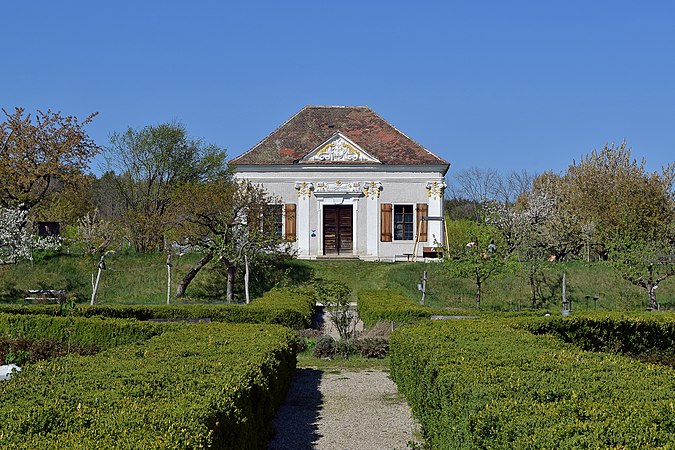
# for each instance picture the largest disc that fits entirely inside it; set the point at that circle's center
(338, 230)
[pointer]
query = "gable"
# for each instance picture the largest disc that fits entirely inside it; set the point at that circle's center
(339, 148)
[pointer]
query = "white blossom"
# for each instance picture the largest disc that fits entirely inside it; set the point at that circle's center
(16, 242)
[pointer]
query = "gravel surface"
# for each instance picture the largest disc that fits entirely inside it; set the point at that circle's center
(345, 410)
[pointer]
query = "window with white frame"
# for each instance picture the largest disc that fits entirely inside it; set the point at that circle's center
(404, 223)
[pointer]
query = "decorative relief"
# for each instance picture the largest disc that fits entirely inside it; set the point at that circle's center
(304, 189)
(372, 189)
(339, 149)
(435, 189)
(338, 187)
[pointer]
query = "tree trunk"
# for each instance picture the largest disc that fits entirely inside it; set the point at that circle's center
(101, 266)
(168, 281)
(192, 273)
(651, 291)
(231, 269)
(246, 278)
(478, 294)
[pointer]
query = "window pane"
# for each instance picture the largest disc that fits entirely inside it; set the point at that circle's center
(403, 222)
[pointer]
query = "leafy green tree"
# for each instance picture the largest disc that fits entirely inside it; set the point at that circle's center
(523, 228)
(229, 222)
(336, 298)
(482, 257)
(150, 165)
(610, 193)
(645, 264)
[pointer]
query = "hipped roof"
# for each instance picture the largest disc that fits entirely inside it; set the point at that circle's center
(313, 125)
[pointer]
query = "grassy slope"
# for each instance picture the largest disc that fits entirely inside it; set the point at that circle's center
(133, 279)
(128, 279)
(508, 291)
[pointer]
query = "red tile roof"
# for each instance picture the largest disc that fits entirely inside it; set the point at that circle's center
(314, 125)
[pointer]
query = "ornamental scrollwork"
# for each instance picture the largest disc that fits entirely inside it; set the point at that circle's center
(338, 186)
(304, 189)
(435, 189)
(372, 189)
(338, 150)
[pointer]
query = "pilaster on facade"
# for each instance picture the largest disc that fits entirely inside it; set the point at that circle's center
(372, 190)
(435, 191)
(305, 190)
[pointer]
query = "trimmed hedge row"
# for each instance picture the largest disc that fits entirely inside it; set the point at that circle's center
(99, 333)
(291, 308)
(391, 306)
(484, 384)
(202, 386)
(613, 332)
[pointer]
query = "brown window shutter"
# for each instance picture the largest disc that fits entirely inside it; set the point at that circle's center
(385, 222)
(290, 222)
(422, 211)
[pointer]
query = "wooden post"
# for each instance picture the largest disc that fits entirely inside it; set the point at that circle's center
(101, 266)
(246, 276)
(424, 287)
(168, 283)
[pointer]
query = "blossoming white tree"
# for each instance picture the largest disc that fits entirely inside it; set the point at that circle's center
(16, 242)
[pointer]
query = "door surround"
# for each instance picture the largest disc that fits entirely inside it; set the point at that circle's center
(338, 230)
(347, 199)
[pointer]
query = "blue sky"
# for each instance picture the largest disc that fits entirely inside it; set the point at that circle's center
(508, 85)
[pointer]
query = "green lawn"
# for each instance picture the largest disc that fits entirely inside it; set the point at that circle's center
(504, 292)
(141, 279)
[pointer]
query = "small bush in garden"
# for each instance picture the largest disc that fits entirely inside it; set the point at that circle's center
(381, 329)
(336, 298)
(344, 348)
(376, 347)
(308, 333)
(324, 348)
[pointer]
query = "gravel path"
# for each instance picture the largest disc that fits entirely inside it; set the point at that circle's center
(343, 411)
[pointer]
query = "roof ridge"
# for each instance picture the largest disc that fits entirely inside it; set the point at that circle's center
(338, 106)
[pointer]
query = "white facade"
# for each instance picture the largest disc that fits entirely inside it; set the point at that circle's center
(363, 189)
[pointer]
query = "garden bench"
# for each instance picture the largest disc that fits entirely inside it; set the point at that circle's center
(46, 295)
(408, 257)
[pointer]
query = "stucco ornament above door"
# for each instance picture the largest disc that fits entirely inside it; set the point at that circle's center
(339, 148)
(338, 187)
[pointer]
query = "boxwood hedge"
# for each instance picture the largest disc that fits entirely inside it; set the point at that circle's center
(391, 306)
(292, 308)
(200, 386)
(101, 333)
(487, 384)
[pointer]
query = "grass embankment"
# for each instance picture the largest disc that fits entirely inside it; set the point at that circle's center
(503, 292)
(128, 279)
(141, 279)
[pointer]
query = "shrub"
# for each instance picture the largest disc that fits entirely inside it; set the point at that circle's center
(375, 347)
(96, 332)
(292, 308)
(336, 298)
(325, 347)
(391, 306)
(200, 386)
(344, 348)
(492, 384)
